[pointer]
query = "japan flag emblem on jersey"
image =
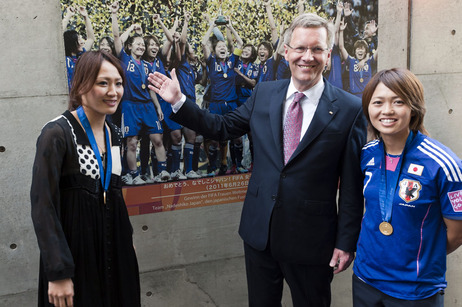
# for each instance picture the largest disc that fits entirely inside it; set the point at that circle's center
(409, 190)
(415, 169)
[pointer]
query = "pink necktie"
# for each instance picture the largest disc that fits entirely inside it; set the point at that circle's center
(293, 127)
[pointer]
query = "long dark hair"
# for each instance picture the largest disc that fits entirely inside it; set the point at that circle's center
(110, 42)
(253, 52)
(71, 42)
(86, 72)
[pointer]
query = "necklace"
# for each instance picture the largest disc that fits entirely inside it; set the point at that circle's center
(390, 159)
(102, 149)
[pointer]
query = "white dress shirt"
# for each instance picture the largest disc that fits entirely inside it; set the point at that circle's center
(309, 103)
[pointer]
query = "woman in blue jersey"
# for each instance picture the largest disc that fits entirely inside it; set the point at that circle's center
(74, 44)
(141, 111)
(359, 66)
(280, 66)
(266, 59)
(188, 76)
(247, 73)
(265, 51)
(246, 79)
(151, 55)
(333, 72)
(413, 197)
(223, 96)
(171, 50)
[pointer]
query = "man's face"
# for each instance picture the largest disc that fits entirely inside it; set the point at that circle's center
(306, 67)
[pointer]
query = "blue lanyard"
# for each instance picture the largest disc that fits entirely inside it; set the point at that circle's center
(389, 181)
(105, 179)
(224, 67)
(263, 69)
(140, 67)
(246, 69)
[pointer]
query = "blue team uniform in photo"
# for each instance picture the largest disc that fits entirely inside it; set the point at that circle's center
(410, 263)
(187, 77)
(222, 77)
(283, 71)
(158, 66)
(335, 73)
(266, 72)
(243, 89)
(359, 77)
(139, 115)
(70, 67)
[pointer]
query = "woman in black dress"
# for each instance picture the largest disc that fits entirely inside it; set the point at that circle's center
(83, 230)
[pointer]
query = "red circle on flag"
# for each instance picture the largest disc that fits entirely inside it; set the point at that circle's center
(415, 169)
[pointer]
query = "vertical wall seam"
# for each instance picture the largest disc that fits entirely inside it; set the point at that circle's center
(409, 28)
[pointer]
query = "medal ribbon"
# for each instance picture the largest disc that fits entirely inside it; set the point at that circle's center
(389, 181)
(140, 67)
(105, 179)
(260, 78)
(224, 67)
(154, 66)
(246, 69)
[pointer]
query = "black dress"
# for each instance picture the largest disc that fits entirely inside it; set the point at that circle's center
(78, 235)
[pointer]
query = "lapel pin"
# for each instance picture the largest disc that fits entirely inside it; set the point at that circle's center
(330, 112)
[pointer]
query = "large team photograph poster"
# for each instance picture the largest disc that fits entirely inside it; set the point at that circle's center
(220, 50)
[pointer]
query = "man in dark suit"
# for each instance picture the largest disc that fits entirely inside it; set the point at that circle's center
(291, 224)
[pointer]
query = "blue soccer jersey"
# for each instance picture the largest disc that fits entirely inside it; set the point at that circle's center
(266, 72)
(222, 79)
(158, 66)
(70, 66)
(335, 73)
(187, 77)
(136, 74)
(411, 262)
(359, 77)
(283, 71)
(244, 90)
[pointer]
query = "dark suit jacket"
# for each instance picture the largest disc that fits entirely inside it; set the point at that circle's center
(294, 206)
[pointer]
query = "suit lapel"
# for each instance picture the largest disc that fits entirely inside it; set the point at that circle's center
(324, 113)
(276, 101)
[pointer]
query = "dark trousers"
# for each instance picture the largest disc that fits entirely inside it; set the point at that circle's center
(365, 295)
(309, 284)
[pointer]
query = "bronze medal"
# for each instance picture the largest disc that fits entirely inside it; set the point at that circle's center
(104, 197)
(385, 228)
(225, 75)
(361, 80)
(143, 86)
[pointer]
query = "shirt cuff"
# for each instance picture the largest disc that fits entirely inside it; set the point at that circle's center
(177, 105)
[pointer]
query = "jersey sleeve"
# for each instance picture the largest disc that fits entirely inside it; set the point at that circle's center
(45, 203)
(450, 182)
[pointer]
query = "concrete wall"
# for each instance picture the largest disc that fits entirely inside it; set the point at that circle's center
(190, 257)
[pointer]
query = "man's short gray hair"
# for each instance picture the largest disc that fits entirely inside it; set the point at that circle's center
(310, 20)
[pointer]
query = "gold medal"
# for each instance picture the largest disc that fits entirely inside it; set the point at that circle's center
(143, 86)
(104, 197)
(386, 228)
(225, 75)
(361, 80)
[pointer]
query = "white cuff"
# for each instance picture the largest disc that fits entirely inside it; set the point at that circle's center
(177, 105)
